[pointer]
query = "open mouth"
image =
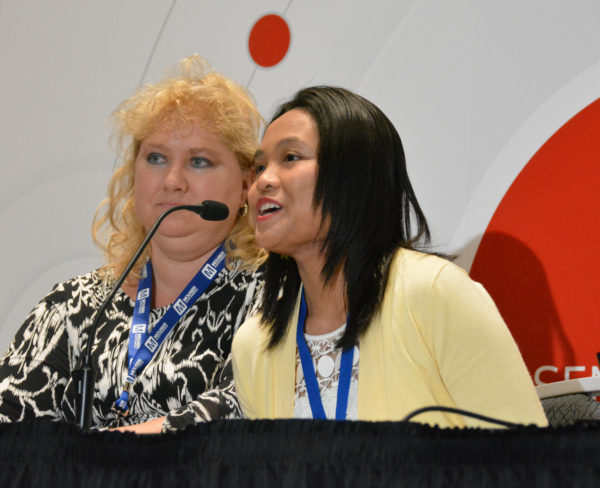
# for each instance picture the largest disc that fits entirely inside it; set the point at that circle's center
(268, 208)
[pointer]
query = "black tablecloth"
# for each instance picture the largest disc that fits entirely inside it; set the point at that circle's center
(301, 453)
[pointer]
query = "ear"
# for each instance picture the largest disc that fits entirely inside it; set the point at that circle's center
(246, 182)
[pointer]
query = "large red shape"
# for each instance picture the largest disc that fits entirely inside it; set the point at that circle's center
(540, 255)
(269, 40)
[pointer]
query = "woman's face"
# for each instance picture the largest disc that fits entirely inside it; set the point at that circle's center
(187, 164)
(281, 196)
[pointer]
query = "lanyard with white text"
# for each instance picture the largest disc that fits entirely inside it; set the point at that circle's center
(310, 377)
(143, 344)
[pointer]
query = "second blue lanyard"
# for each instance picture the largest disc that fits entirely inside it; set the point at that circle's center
(310, 377)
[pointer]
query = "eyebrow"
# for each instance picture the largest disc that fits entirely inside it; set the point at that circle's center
(282, 143)
(191, 151)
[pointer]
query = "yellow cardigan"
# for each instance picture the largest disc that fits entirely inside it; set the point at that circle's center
(437, 340)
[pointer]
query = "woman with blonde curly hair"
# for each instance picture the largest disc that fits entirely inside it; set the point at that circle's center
(184, 140)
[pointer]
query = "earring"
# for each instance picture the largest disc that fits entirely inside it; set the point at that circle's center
(244, 209)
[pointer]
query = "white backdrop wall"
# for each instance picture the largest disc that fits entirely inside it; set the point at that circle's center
(474, 88)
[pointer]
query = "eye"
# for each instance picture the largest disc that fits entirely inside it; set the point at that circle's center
(156, 158)
(199, 162)
(259, 168)
(291, 157)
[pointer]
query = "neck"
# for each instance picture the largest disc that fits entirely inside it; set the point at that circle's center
(171, 273)
(325, 303)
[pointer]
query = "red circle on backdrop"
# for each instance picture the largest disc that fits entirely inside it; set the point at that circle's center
(269, 40)
(540, 255)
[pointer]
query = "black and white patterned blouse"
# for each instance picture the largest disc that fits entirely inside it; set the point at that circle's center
(189, 379)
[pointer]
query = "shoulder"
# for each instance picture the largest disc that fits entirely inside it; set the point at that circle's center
(235, 276)
(247, 357)
(437, 291)
(417, 270)
(251, 337)
(236, 292)
(428, 280)
(78, 288)
(67, 303)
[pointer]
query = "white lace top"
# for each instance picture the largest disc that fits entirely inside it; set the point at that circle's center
(326, 361)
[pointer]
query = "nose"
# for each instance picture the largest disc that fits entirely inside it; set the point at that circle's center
(267, 178)
(175, 178)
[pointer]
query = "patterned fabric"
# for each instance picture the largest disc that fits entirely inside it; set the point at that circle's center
(326, 358)
(189, 379)
(568, 409)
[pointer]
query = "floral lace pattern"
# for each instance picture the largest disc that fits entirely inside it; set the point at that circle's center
(326, 359)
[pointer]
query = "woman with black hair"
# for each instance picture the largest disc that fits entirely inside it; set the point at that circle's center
(356, 322)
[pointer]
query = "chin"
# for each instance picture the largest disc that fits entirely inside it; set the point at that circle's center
(275, 249)
(264, 243)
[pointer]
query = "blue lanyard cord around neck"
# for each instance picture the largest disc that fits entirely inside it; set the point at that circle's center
(143, 344)
(310, 377)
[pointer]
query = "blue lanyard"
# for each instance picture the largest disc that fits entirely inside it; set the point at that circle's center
(310, 377)
(143, 344)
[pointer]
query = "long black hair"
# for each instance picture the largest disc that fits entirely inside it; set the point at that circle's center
(365, 194)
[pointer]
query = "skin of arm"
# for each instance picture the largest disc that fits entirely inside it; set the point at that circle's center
(153, 426)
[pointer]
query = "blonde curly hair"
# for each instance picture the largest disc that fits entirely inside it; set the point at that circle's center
(195, 93)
